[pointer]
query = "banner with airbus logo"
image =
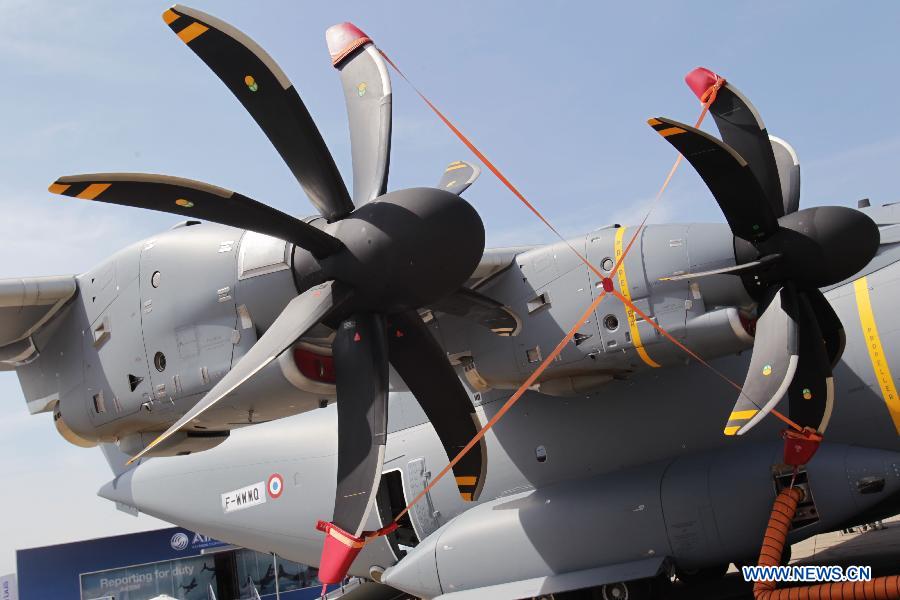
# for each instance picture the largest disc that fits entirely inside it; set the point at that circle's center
(187, 540)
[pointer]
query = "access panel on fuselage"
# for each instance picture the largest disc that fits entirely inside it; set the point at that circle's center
(189, 319)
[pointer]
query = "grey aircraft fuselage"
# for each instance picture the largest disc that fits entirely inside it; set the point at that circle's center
(617, 453)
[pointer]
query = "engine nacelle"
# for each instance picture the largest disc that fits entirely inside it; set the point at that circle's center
(70, 436)
(152, 330)
(549, 287)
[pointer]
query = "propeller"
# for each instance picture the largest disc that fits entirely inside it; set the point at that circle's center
(195, 199)
(458, 176)
(367, 270)
(783, 255)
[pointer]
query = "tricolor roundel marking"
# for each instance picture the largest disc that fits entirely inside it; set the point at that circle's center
(275, 485)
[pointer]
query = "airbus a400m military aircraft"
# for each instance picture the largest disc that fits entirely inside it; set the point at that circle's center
(259, 372)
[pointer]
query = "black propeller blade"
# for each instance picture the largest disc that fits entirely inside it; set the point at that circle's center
(742, 128)
(422, 364)
(829, 324)
(261, 86)
(194, 199)
(811, 394)
(726, 174)
(361, 364)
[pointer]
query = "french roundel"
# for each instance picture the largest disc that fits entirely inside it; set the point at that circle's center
(275, 485)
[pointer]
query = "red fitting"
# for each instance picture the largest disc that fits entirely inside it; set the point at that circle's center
(342, 548)
(800, 446)
(343, 39)
(338, 553)
(700, 80)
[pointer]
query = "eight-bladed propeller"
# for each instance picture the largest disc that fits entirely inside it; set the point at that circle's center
(783, 255)
(369, 269)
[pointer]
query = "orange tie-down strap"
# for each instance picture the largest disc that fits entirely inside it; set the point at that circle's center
(606, 281)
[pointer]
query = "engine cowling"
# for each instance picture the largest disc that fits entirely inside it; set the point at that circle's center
(66, 432)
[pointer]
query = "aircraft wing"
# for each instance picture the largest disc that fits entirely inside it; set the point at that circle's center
(26, 304)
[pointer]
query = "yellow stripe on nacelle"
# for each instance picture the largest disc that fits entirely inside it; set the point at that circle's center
(876, 352)
(623, 288)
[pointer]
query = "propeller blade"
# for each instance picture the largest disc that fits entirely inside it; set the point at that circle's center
(732, 270)
(811, 393)
(772, 364)
(299, 316)
(361, 363)
(727, 176)
(422, 364)
(458, 176)
(742, 128)
(194, 199)
(788, 173)
(367, 91)
(261, 86)
(480, 309)
(829, 324)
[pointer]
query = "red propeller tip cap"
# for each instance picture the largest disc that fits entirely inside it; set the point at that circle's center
(700, 80)
(343, 39)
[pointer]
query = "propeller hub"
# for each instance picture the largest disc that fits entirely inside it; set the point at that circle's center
(821, 246)
(407, 248)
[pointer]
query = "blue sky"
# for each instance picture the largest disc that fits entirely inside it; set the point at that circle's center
(556, 93)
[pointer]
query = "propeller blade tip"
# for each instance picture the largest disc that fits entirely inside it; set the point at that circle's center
(343, 39)
(666, 127)
(169, 16)
(57, 188)
(700, 80)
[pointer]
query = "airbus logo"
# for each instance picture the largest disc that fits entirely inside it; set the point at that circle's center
(199, 538)
(179, 541)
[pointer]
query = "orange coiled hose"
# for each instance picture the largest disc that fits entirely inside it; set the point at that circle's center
(783, 511)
